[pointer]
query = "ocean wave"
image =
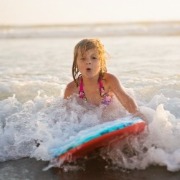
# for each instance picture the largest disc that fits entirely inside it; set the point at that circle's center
(98, 30)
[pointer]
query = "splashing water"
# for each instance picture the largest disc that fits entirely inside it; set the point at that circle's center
(36, 118)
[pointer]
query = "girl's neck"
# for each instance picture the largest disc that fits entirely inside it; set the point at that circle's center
(90, 81)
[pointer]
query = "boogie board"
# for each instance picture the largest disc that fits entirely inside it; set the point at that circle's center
(101, 135)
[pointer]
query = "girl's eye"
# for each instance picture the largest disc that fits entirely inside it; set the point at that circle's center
(94, 57)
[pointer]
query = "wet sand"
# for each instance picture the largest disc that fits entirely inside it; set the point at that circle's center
(31, 169)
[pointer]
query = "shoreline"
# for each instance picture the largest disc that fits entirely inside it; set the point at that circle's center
(29, 168)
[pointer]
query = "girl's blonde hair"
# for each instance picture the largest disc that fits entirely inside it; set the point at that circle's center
(83, 46)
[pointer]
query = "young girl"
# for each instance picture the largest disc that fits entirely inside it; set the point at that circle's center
(91, 82)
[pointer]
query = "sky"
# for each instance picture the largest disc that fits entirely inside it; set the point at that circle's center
(39, 12)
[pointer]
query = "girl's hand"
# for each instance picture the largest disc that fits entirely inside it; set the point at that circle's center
(139, 114)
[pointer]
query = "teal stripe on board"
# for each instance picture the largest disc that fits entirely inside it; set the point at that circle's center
(94, 132)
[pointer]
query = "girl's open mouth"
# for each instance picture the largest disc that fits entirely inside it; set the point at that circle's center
(88, 69)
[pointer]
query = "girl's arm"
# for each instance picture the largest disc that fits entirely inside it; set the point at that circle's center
(128, 103)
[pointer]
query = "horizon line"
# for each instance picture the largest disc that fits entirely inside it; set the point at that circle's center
(148, 22)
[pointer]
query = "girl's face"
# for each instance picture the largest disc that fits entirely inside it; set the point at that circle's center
(89, 63)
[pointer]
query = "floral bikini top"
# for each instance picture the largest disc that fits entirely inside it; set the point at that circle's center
(106, 98)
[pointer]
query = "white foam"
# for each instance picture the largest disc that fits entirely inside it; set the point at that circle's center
(37, 118)
(159, 145)
(32, 128)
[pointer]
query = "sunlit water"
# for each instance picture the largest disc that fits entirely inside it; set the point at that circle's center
(34, 117)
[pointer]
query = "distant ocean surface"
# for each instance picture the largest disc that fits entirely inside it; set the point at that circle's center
(99, 30)
(35, 66)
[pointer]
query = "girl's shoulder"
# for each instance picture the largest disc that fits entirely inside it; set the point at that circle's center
(71, 88)
(71, 85)
(112, 82)
(109, 78)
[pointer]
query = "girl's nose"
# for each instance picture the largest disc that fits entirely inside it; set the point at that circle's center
(88, 61)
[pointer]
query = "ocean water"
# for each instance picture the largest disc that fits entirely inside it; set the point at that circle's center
(34, 117)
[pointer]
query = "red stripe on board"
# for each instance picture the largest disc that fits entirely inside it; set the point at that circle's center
(104, 140)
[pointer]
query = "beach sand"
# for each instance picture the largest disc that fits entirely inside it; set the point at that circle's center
(31, 169)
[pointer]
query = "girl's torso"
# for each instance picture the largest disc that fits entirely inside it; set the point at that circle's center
(97, 97)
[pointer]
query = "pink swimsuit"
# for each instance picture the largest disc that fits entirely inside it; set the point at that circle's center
(106, 98)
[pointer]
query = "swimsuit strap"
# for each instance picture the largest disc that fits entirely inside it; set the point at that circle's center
(81, 85)
(81, 90)
(101, 87)
(106, 98)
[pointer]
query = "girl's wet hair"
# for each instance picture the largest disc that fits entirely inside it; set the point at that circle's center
(83, 46)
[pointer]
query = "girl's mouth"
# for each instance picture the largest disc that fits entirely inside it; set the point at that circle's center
(88, 69)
